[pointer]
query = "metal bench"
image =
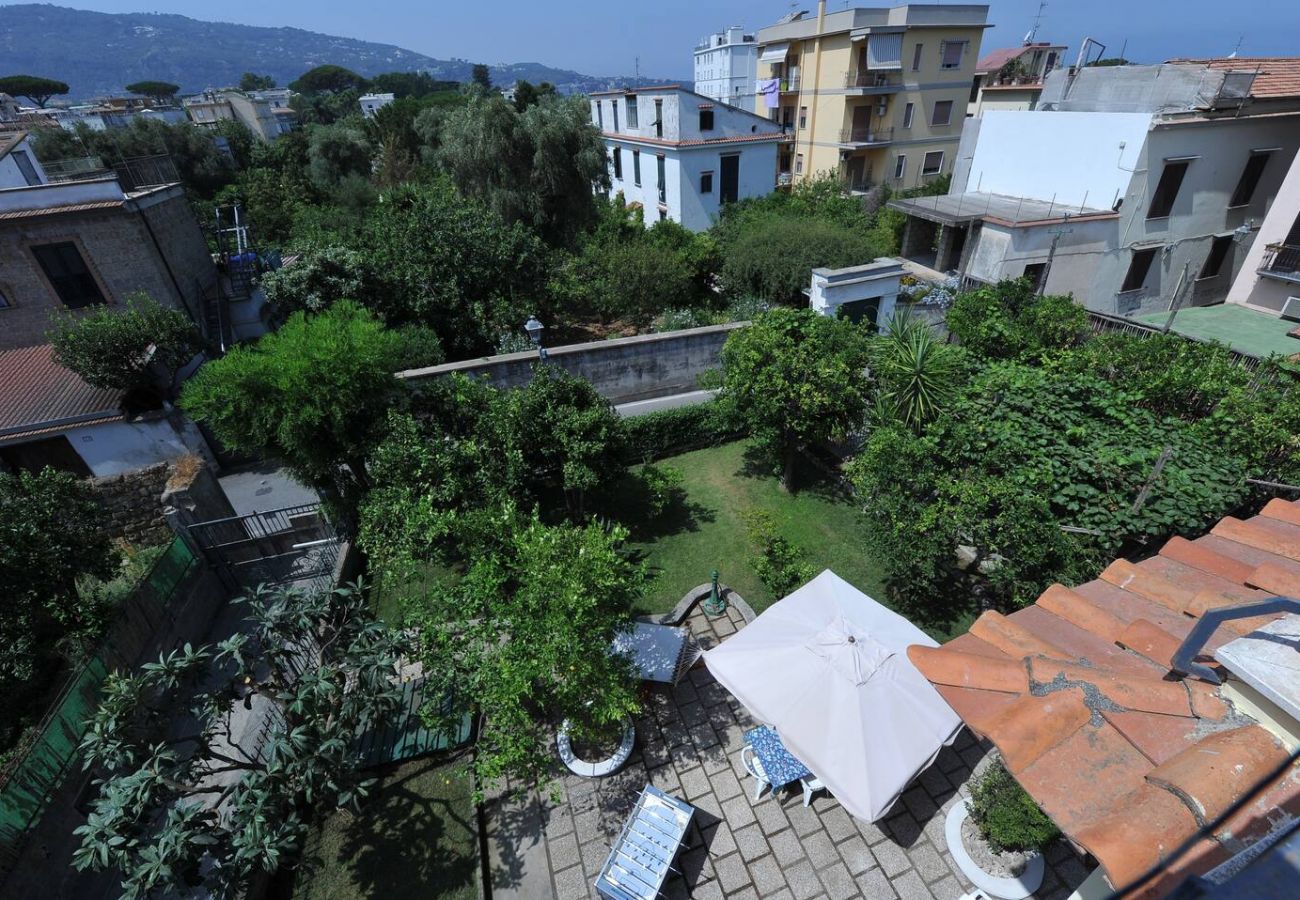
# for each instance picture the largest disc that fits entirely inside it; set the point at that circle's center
(642, 857)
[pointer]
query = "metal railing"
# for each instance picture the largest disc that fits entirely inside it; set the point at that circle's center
(78, 169)
(866, 135)
(789, 85)
(1282, 259)
(145, 172)
(865, 78)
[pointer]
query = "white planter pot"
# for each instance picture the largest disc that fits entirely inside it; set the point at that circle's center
(602, 767)
(1005, 888)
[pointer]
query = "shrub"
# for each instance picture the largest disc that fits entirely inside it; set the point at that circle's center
(1007, 817)
(671, 431)
(663, 486)
(780, 564)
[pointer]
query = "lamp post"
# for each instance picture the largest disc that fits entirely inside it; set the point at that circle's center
(716, 605)
(534, 329)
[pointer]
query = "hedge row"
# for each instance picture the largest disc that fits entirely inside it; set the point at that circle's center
(672, 431)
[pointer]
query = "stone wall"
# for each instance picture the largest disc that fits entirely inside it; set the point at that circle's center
(621, 370)
(133, 510)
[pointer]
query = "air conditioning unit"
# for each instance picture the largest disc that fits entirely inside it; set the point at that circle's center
(1291, 309)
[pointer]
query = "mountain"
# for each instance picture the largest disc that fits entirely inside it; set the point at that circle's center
(100, 53)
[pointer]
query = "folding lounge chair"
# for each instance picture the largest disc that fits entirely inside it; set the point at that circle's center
(642, 858)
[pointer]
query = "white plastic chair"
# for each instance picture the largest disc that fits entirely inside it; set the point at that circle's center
(754, 767)
(810, 785)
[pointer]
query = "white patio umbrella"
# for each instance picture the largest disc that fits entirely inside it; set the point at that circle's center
(827, 667)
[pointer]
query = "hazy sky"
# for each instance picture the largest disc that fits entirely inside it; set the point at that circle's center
(602, 37)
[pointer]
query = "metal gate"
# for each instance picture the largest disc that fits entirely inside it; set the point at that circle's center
(293, 545)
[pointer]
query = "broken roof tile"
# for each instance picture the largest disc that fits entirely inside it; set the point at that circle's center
(1212, 773)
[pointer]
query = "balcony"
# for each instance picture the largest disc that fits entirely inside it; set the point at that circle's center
(864, 82)
(790, 85)
(1282, 261)
(861, 137)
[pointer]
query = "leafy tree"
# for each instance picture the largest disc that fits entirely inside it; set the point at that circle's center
(324, 276)
(1110, 61)
(328, 79)
(1009, 320)
(411, 84)
(158, 91)
(916, 374)
(481, 75)
(33, 87)
(189, 800)
(49, 537)
(250, 81)
(310, 394)
(127, 349)
(794, 378)
(523, 637)
(527, 94)
(335, 152)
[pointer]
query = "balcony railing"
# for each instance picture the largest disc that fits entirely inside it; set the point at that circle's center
(1282, 260)
(871, 82)
(866, 135)
(789, 85)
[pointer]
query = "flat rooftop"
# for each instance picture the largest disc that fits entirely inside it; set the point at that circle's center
(1241, 328)
(956, 209)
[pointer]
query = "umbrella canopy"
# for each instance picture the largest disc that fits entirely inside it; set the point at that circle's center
(827, 668)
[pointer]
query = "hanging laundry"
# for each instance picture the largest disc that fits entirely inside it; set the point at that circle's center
(770, 89)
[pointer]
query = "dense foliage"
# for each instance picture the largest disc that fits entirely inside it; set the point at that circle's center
(795, 377)
(160, 91)
(1010, 321)
(204, 804)
(668, 432)
(35, 88)
(1006, 816)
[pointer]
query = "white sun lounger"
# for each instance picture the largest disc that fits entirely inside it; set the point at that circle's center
(642, 857)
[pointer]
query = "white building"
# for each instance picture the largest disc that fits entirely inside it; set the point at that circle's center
(373, 103)
(263, 117)
(1130, 188)
(726, 65)
(1270, 276)
(19, 167)
(866, 293)
(681, 155)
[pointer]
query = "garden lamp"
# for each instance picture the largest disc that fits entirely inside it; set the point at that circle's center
(534, 329)
(716, 605)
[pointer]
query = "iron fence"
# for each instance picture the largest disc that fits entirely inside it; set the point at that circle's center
(290, 545)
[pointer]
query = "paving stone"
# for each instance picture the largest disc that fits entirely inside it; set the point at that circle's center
(709, 890)
(910, 887)
(710, 806)
(872, 833)
(725, 785)
(744, 894)
(838, 882)
(703, 737)
(839, 824)
(787, 848)
(572, 882)
(947, 889)
(665, 778)
(558, 823)
(732, 873)
(820, 849)
(875, 886)
(1057, 852)
(803, 881)
(738, 812)
(675, 889)
(804, 819)
(856, 855)
(751, 842)
(767, 875)
(783, 894)
(935, 784)
(717, 759)
(684, 692)
(903, 829)
(771, 818)
(713, 694)
(655, 753)
(891, 858)
(919, 804)
(719, 840)
(927, 861)
(1071, 871)
(973, 755)
(695, 783)
(564, 852)
(594, 856)
(685, 757)
(699, 676)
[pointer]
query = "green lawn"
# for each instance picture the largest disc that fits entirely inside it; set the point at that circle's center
(681, 548)
(415, 838)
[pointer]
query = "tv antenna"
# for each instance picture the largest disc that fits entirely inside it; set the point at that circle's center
(1033, 32)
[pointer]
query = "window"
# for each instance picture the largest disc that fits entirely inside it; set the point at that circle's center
(1218, 253)
(1138, 268)
(613, 104)
(803, 117)
(1250, 177)
(4, 300)
(663, 179)
(916, 57)
(1171, 179)
(636, 167)
(600, 115)
(933, 163)
(706, 120)
(950, 54)
(908, 111)
(659, 118)
(25, 166)
(1034, 274)
(942, 113)
(798, 164)
(900, 167)
(706, 182)
(67, 272)
(631, 112)
(618, 163)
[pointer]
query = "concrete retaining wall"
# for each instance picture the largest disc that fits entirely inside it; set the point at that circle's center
(622, 369)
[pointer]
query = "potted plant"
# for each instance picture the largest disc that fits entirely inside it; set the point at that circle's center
(996, 837)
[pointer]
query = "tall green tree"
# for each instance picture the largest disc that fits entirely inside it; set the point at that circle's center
(251, 81)
(35, 88)
(1009, 320)
(794, 378)
(481, 75)
(328, 79)
(527, 94)
(158, 91)
(189, 798)
(336, 152)
(310, 394)
(125, 350)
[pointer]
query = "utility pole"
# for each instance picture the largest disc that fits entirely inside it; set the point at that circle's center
(1051, 252)
(1174, 303)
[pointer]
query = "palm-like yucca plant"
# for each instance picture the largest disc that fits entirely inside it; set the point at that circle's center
(916, 374)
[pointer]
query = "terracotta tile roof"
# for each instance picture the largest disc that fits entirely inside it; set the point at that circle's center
(1279, 76)
(996, 59)
(1076, 692)
(66, 208)
(39, 396)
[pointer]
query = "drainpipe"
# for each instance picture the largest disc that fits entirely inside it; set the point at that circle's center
(816, 85)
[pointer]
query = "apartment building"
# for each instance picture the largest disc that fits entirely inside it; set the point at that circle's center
(1012, 77)
(371, 104)
(261, 115)
(680, 155)
(873, 95)
(1132, 188)
(726, 64)
(1269, 279)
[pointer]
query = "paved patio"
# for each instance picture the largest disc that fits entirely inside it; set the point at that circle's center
(688, 743)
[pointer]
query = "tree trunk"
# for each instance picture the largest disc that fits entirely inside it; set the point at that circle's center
(787, 472)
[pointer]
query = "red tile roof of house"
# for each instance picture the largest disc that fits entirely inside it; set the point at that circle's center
(1076, 691)
(996, 59)
(40, 396)
(1279, 76)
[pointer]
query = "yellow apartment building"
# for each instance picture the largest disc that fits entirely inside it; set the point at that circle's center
(875, 96)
